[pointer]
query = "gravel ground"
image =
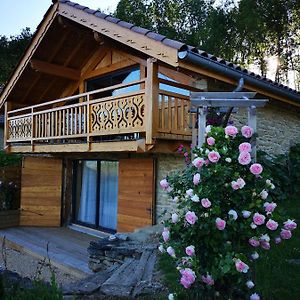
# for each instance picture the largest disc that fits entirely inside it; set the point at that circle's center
(28, 266)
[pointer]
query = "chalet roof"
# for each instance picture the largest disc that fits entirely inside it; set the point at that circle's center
(152, 44)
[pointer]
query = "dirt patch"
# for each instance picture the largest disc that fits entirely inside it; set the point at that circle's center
(28, 266)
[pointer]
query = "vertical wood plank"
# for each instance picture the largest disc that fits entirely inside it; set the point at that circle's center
(175, 114)
(163, 125)
(80, 120)
(169, 114)
(64, 122)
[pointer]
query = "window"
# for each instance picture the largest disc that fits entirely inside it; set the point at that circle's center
(124, 76)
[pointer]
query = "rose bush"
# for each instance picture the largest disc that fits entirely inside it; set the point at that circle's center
(225, 216)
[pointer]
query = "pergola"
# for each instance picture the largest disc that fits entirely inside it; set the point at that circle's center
(202, 101)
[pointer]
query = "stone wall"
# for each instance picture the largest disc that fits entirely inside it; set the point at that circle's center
(166, 164)
(278, 128)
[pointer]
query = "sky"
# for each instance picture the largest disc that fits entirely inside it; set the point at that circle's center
(18, 14)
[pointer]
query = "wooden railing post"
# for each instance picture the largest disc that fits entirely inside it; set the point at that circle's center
(7, 108)
(151, 100)
(88, 127)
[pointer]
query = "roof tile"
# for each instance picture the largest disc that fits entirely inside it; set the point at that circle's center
(155, 36)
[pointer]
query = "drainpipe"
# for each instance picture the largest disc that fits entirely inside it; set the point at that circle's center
(234, 74)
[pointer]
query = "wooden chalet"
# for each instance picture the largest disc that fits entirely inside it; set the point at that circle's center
(93, 103)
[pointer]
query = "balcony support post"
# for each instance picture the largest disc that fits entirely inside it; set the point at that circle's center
(151, 100)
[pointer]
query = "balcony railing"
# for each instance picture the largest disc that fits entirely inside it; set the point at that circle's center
(84, 117)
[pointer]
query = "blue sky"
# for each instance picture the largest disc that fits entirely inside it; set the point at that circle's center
(18, 14)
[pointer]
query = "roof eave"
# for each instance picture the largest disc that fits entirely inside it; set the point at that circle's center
(231, 75)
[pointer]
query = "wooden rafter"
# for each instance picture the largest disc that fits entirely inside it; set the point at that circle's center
(56, 70)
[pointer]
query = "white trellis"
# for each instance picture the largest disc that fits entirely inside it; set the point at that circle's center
(203, 100)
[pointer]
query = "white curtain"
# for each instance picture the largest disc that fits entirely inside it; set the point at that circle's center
(108, 195)
(87, 208)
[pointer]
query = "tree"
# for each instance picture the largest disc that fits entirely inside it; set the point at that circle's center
(246, 32)
(11, 49)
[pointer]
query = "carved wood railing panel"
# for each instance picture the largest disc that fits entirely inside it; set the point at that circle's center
(174, 117)
(20, 128)
(117, 116)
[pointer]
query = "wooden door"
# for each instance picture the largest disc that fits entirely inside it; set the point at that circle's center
(41, 192)
(136, 193)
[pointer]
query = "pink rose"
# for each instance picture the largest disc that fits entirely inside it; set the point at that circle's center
(191, 217)
(210, 141)
(285, 234)
(269, 207)
(235, 185)
(164, 184)
(190, 250)
(213, 156)
(272, 225)
(254, 242)
(188, 277)
(258, 219)
(231, 131)
(196, 179)
(198, 162)
(174, 218)
(208, 279)
(247, 131)
(245, 147)
(256, 169)
(290, 225)
(265, 245)
(254, 297)
(166, 235)
(205, 203)
(241, 266)
(171, 251)
(220, 224)
(277, 240)
(241, 182)
(189, 192)
(244, 158)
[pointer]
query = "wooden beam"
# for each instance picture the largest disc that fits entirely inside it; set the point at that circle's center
(56, 70)
(110, 68)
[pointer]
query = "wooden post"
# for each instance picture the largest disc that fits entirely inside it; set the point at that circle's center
(7, 108)
(88, 129)
(32, 129)
(151, 100)
(252, 123)
(201, 113)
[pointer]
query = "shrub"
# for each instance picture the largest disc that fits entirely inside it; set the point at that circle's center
(226, 216)
(7, 195)
(10, 159)
(39, 291)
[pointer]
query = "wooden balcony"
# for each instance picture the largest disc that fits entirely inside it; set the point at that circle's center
(87, 122)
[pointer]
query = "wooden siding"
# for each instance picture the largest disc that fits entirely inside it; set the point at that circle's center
(41, 192)
(136, 193)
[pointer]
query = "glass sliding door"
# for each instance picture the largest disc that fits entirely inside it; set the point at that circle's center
(108, 195)
(95, 196)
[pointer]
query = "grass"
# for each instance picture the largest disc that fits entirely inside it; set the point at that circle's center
(276, 277)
